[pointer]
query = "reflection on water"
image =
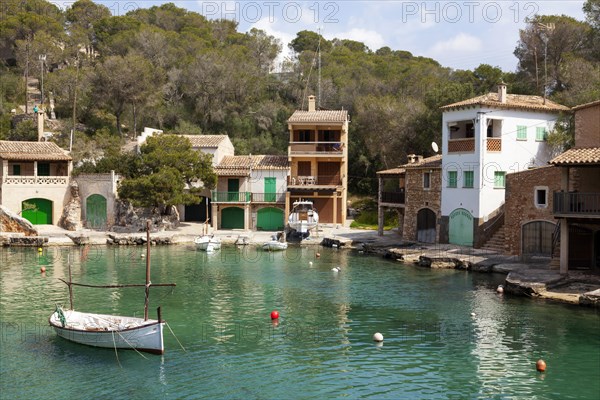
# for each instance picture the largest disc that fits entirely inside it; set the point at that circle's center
(447, 333)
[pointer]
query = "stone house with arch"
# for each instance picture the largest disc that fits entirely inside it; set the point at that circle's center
(34, 180)
(415, 191)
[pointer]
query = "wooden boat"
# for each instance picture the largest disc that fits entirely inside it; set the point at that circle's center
(274, 245)
(112, 331)
(207, 243)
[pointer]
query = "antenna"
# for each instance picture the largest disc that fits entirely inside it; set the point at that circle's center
(319, 79)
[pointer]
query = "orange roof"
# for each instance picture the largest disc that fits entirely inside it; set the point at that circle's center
(513, 101)
(32, 151)
(243, 165)
(580, 156)
(586, 105)
(319, 116)
(205, 140)
(393, 171)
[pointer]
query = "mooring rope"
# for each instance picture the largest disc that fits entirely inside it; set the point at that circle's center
(130, 345)
(173, 333)
(116, 352)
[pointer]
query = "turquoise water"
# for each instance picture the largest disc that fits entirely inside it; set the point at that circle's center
(447, 333)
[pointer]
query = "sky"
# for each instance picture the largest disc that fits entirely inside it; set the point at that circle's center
(458, 34)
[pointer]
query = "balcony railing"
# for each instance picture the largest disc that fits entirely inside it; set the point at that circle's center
(579, 204)
(494, 144)
(231, 197)
(247, 197)
(323, 180)
(268, 197)
(393, 197)
(34, 180)
(332, 148)
(461, 145)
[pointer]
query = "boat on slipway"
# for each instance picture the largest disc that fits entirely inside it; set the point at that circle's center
(303, 218)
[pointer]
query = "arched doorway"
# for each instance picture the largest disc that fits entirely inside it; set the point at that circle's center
(536, 238)
(232, 218)
(426, 226)
(269, 219)
(95, 211)
(461, 227)
(37, 211)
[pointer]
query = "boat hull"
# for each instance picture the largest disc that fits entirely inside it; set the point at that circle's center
(110, 331)
(207, 244)
(274, 246)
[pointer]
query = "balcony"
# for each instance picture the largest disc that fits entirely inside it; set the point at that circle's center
(302, 181)
(461, 145)
(575, 204)
(317, 148)
(35, 180)
(393, 197)
(247, 197)
(231, 197)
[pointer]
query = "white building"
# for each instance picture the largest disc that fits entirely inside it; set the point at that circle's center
(483, 139)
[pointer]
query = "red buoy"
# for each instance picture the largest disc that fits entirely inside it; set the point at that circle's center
(540, 365)
(274, 314)
(43, 269)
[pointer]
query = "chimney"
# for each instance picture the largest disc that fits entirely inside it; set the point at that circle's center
(40, 125)
(311, 102)
(502, 92)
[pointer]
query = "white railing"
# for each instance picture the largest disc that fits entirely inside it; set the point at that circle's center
(35, 180)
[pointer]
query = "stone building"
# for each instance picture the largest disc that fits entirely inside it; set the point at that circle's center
(416, 193)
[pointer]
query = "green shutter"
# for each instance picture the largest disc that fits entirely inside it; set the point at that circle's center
(270, 189)
(468, 179)
(499, 177)
(16, 169)
(452, 178)
(541, 134)
(43, 169)
(521, 132)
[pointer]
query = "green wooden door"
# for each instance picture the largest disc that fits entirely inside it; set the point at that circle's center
(233, 188)
(232, 218)
(95, 211)
(461, 227)
(270, 219)
(270, 189)
(37, 211)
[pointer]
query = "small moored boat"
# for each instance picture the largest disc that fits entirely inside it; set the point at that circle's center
(207, 243)
(303, 217)
(274, 245)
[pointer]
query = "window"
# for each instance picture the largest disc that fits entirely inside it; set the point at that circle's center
(304, 136)
(521, 132)
(426, 180)
(499, 179)
(43, 169)
(541, 197)
(468, 179)
(16, 169)
(470, 130)
(452, 178)
(541, 134)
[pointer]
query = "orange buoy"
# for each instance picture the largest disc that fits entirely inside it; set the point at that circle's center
(318, 255)
(43, 269)
(274, 314)
(540, 365)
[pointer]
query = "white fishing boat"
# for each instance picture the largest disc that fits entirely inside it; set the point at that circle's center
(207, 243)
(112, 331)
(274, 245)
(303, 217)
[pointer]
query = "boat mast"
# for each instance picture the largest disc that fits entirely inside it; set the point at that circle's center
(70, 282)
(147, 270)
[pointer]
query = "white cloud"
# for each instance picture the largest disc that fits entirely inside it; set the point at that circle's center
(371, 38)
(461, 43)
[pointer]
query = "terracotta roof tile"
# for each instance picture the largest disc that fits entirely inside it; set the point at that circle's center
(429, 162)
(205, 140)
(319, 116)
(242, 165)
(513, 101)
(589, 155)
(393, 171)
(32, 151)
(586, 105)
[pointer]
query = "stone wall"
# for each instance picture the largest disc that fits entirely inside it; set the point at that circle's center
(418, 198)
(11, 222)
(520, 204)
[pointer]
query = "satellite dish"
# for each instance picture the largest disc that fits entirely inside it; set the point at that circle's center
(435, 147)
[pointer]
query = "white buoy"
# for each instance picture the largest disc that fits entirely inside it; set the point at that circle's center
(500, 289)
(473, 314)
(378, 337)
(336, 269)
(310, 263)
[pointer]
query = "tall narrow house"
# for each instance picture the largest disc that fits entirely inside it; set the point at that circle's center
(483, 139)
(318, 158)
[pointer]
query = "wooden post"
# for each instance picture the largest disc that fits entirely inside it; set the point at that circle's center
(70, 283)
(380, 208)
(147, 270)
